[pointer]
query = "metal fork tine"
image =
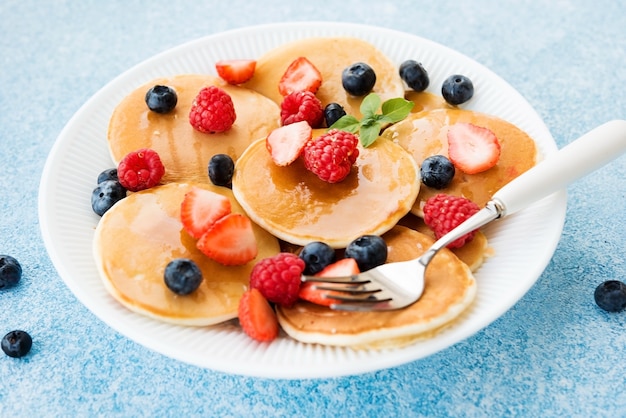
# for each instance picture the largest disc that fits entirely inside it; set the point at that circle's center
(341, 279)
(348, 289)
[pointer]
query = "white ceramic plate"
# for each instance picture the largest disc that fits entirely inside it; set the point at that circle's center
(523, 243)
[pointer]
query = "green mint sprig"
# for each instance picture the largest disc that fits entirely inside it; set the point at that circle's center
(369, 127)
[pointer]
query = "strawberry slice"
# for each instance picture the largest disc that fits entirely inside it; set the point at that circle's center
(343, 267)
(300, 75)
(200, 209)
(256, 316)
(230, 241)
(286, 143)
(235, 71)
(472, 149)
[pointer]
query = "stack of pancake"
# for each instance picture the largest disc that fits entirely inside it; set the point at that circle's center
(289, 206)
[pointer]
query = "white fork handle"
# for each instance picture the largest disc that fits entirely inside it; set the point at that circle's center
(579, 158)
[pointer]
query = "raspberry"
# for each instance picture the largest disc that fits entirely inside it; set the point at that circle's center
(299, 106)
(278, 278)
(331, 155)
(212, 111)
(443, 213)
(140, 170)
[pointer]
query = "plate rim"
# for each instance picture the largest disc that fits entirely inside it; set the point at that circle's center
(557, 201)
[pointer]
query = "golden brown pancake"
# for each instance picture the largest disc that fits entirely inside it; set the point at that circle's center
(296, 206)
(142, 233)
(424, 134)
(184, 151)
(424, 101)
(449, 290)
(330, 56)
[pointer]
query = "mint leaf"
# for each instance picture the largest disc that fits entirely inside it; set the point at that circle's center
(346, 123)
(394, 110)
(369, 133)
(370, 105)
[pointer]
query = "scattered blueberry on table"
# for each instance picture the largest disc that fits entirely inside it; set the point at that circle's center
(10, 271)
(16, 343)
(611, 296)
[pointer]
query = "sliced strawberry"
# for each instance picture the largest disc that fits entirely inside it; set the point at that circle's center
(256, 316)
(230, 241)
(343, 267)
(200, 209)
(235, 71)
(472, 149)
(300, 75)
(286, 143)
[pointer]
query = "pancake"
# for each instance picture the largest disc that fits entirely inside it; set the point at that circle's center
(330, 56)
(424, 101)
(142, 233)
(425, 133)
(449, 289)
(296, 206)
(184, 151)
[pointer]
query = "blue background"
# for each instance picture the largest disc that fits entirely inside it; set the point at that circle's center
(553, 354)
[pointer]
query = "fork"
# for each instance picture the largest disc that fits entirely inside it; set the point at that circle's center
(397, 285)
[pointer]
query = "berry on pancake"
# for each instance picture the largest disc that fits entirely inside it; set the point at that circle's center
(256, 316)
(285, 144)
(317, 255)
(471, 148)
(236, 71)
(300, 75)
(457, 89)
(140, 170)
(330, 156)
(299, 106)
(278, 278)
(343, 267)
(161, 99)
(200, 209)
(212, 111)
(230, 241)
(443, 213)
(221, 169)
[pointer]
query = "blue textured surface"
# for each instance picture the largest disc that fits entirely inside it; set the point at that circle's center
(553, 354)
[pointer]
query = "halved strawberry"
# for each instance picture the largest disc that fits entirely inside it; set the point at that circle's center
(286, 143)
(236, 71)
(200, 209)
(230, 241)
(256, 316)
(343, 267)
(472, 149)
(300, 75)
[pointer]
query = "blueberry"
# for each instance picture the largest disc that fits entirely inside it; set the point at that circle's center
(437, 171)
(358, 79)
(457, 89)
(106, 195)
(316, 255)
(221, 169)
(108, 174)
(182, 276)
(369, 251)
(333, 112)
(10, 271)
(611, 296)
(16, 343)
(161, 99)
(414, 75)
